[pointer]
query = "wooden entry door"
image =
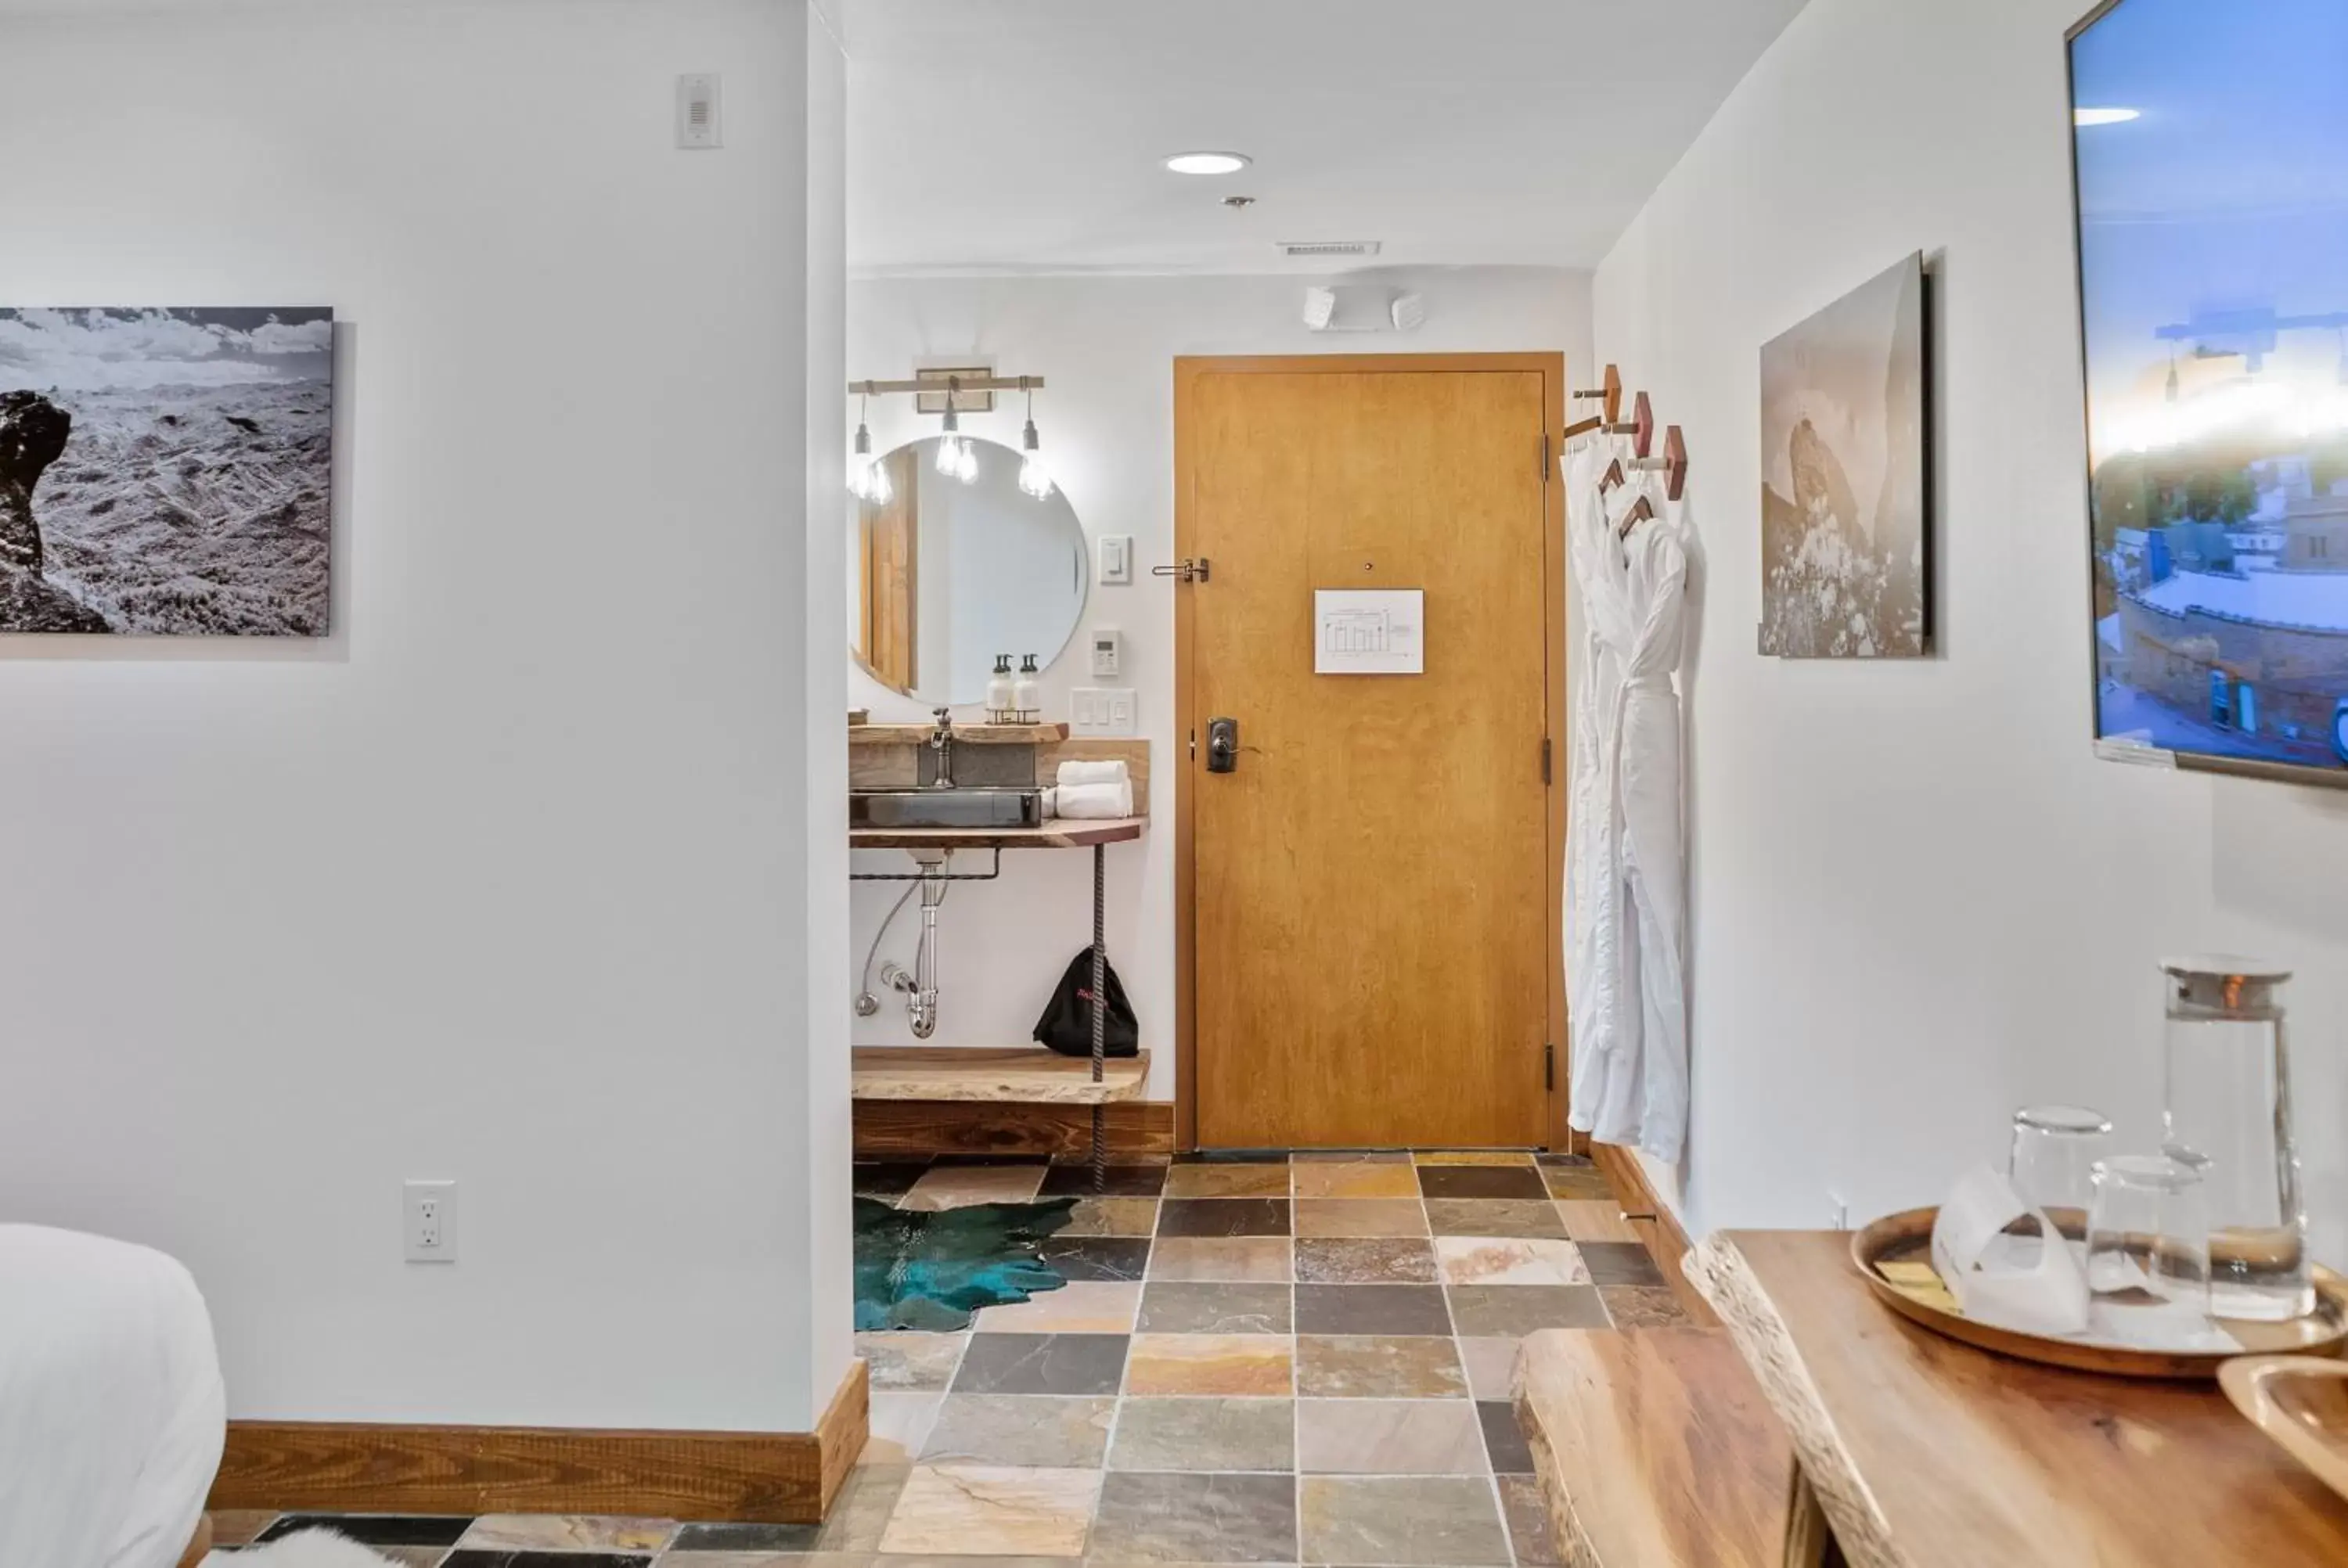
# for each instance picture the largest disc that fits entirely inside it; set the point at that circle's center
(1370, 931)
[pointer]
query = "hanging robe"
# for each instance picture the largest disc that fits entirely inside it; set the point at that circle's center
(1626, 872)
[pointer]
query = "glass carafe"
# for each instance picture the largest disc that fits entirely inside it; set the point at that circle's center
(2228, 1117)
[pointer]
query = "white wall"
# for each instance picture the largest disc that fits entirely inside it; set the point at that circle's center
(1108, 347)
(509, 879)
(1917, 898)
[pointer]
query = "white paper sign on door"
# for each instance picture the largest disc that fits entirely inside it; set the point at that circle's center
(1369, 632)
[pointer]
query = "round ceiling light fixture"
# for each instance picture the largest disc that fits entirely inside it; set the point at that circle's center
(1209, 162)
(2106, 116)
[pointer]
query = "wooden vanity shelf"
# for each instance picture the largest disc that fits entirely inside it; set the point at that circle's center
(963, 734)
(1016, 1075)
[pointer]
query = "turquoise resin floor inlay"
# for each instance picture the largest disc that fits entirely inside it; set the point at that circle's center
(932, 1269)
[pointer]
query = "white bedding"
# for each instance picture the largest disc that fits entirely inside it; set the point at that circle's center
(111, 1410)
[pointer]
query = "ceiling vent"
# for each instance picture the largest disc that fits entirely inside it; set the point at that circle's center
(1326, 250)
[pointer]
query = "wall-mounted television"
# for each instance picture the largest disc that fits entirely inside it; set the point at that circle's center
(2210, 155)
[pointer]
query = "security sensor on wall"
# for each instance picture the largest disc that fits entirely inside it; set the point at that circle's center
(1409, 313)
(1361, 307)
(1320, 308)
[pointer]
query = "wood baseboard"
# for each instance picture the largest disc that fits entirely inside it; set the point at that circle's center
(1657, 1226)
(779, 1478)
(917, 1129)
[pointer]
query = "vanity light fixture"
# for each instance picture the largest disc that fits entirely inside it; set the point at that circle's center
(1209, 162)
(1034, 476)
(2105, 116)
(868, 480)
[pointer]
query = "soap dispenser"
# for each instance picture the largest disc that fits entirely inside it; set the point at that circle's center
(999, 694)
(1024, 695)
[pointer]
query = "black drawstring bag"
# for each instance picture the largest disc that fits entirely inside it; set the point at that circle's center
(1066, 1025)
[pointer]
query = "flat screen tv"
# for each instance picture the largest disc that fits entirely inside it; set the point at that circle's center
(2211, 153)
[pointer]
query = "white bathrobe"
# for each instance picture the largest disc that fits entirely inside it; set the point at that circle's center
(1625, 858)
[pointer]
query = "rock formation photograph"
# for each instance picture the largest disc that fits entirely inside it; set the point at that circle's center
(166, 472)
(1845, 504)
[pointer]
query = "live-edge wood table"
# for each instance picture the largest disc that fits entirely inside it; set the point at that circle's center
(1922, 1452)
(1066, 833)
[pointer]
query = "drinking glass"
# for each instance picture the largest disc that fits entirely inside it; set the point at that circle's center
(2148, 1235)
(2053, 1160)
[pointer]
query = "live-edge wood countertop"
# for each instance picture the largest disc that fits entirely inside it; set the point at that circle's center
(1060, 832)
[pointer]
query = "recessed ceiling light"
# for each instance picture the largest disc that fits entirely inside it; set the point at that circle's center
(2106, 117)
(1209, 162)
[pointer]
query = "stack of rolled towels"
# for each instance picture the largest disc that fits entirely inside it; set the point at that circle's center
(1096, 790)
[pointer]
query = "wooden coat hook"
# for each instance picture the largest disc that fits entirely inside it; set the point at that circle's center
(1612, 478)
(1611, 394)
(1640, 427)
(1672, 464)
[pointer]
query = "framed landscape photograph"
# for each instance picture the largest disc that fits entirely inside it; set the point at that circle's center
(1846, 477)
(166, 471)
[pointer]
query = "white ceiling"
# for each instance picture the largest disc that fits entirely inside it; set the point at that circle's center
(1027, 134)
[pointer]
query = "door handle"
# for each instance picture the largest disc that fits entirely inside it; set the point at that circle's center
(1222, 745)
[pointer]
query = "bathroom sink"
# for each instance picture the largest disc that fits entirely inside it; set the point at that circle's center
(945, 808)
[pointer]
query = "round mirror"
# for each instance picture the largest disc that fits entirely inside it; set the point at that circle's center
(948, 569)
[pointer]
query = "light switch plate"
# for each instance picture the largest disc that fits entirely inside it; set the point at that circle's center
(1117, 559)
(1104, 711)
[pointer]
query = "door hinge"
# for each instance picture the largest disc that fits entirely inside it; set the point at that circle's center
(1545, 760)
(1549, 1067)
(1194, 745)
(1544, 457)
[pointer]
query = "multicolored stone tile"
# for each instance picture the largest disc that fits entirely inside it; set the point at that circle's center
(1371, 1310)
(1259, 1260)
(1229, 1364)
(1223, 1217)
(1176, 1518)
(1112, 1216)
(1379, 1367)
(1389, 1437)
(1621, 1263)
(1531, 1530)
(1360, 1216)
(1497, 1311)
(1070, 1364)
(1205, 1434)
(1491, 1366)
(1576, 1181)
(1520, 1181)
(900, 1425)
(1118, 1182)
(907, 1360)
(1504, 1437)
(1473, 1157)
(567, 1532)
(993, 1509)
(1354, 1179)
(1595, 1219)
(1095, 1257)
(1535, 1217)
(1644, 1307)
(1079, 1307)
(1227, 1181)
(1508, 1260)
(1054, 1433)
(1171, 1306)
(1401, 1520)
(1364, 1260)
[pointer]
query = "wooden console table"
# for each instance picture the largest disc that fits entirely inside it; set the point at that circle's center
(1920, 1452)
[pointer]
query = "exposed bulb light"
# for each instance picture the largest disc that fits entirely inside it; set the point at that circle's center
(1209, 162)
(1035, 477)
(868, 480)
(956, 459)
(2106, 116)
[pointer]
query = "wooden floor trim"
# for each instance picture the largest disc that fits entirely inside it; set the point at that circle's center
(348, 1466)
(1657, 1226)
(919, 1129)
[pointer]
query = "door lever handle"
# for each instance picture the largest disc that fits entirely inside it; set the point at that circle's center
(1222, 745)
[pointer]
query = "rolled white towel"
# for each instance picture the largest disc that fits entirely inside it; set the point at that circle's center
(1096, 801)
(1093, 773)
(1051, 802)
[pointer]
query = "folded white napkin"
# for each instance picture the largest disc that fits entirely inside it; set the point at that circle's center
(1093, 773)
(1096, 801)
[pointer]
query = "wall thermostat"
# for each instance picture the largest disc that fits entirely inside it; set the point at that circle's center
(1108, 651)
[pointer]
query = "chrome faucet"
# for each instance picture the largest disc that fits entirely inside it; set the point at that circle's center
(942, 741)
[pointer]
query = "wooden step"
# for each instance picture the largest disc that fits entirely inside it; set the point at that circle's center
(1655, 1448)
(1028, 1075)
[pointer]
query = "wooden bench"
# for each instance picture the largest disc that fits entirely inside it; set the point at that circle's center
(1655, 1448)
(1019, 1075)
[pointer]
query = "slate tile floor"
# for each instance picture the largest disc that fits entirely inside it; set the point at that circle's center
(1263, 1360)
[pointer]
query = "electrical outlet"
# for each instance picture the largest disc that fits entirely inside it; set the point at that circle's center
(432, 1213)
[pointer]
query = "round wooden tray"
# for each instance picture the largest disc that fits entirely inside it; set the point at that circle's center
(1907, 1237)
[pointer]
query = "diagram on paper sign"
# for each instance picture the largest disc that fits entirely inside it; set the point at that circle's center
(1369, 632)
